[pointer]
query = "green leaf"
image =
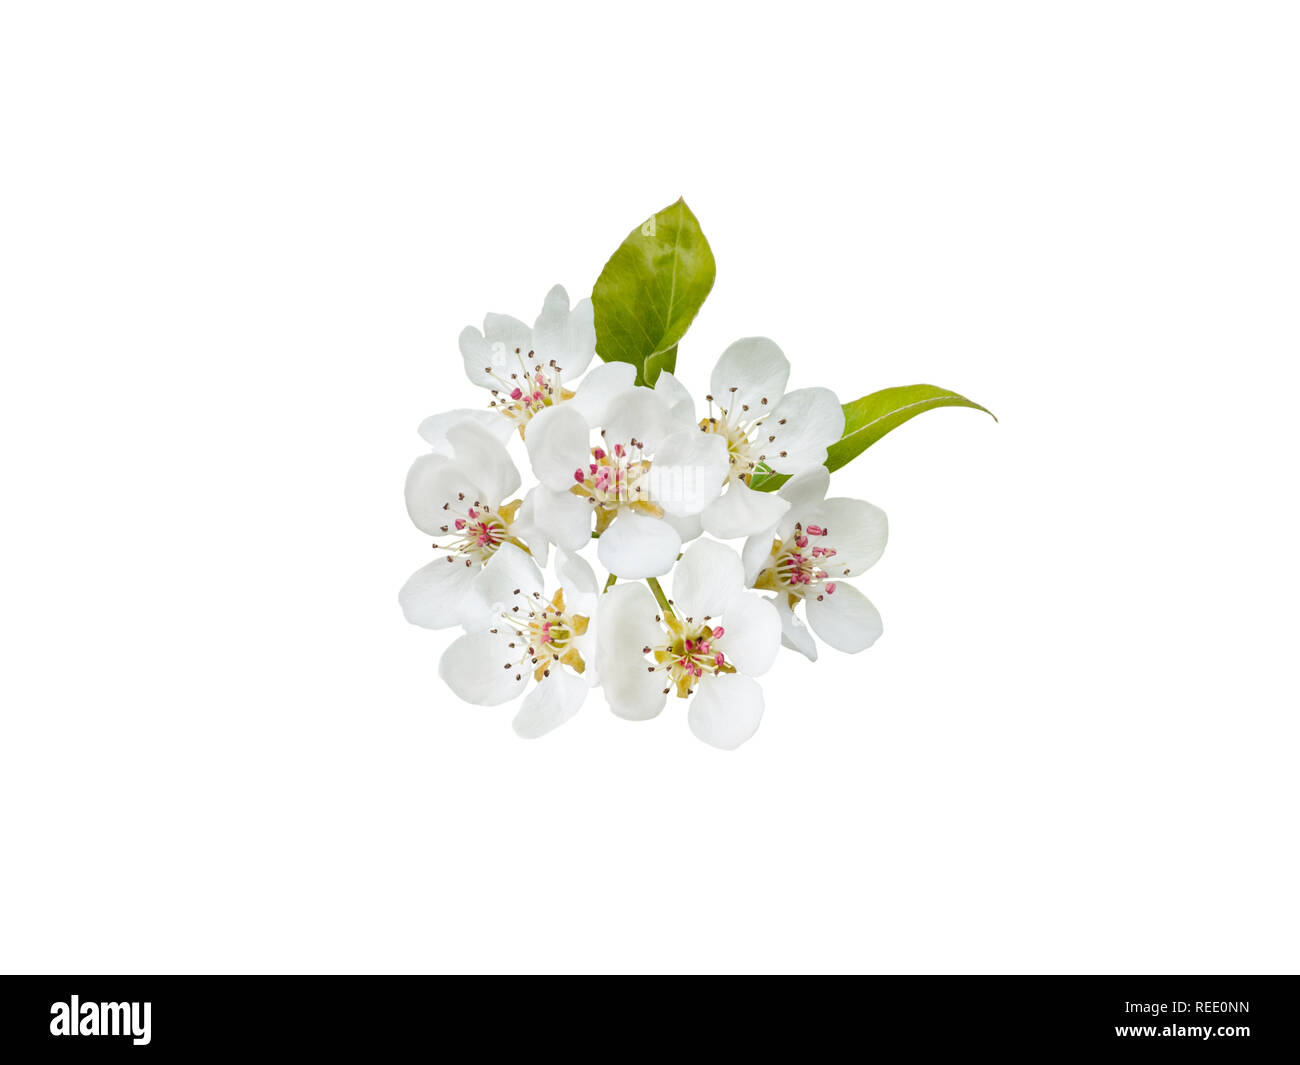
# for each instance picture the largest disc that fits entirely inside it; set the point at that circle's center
(867, 419)
(664, 362)
(650, 291)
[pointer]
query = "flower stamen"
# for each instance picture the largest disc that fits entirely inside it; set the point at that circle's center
(546, 632)
(616, 479)
(798, 567)
(528, 391)
(741, 432)
(688, 654)
(473, 533)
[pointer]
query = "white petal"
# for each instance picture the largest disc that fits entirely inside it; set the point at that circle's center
(813, 421)
(510, 579)
(548, 328)
(581, 598)
(856, 529)
(756, 369)
(807, 488)
(639, 414)
(680, 404)
(688, 528)
(586, 643)
(548, 706)
(476, 667)
(559, 443)
(626, 624)
(568, 337)
(688, 471)
(508, 341)
(474, 612)
(436, 596)
(525, 528)
(706, 579)
(433, 483)
(725, 710)
(628, 619)
(562, 517)
(794, 633)
(754, 555)
(581, 337)
(751, 634)
(741, 511)
(477, 450)
(845, 619)
(477, 354)
(575, 573)
(600, 388)
(636, 546)
(434, 428)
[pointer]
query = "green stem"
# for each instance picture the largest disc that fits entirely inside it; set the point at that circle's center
(610, 583)
(659, 595)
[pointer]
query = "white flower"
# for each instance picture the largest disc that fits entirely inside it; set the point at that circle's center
(716, 639)
(644, 483)
(460, 499)
(765, 428)
(523, 635)
(804, 558)
(526, 370)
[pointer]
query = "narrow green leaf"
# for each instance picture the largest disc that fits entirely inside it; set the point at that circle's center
(650, 291)
(867, 419)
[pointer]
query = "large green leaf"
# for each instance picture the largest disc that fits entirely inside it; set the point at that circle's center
(867, 419)
(650, 291)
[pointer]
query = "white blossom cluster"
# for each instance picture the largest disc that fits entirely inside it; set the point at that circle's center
(655, 483)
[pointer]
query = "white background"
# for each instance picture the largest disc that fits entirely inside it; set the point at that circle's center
(237, 243)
